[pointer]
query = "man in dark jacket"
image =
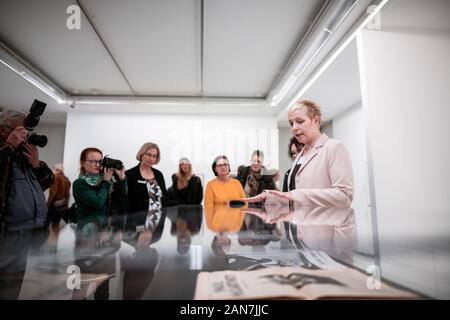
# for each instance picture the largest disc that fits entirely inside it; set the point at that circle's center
(23, 177)
(23, 209)
(255, 178)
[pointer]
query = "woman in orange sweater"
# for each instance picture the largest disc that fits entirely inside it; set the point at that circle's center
(223, 188)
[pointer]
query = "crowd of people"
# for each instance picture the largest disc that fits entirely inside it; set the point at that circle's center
(321, 174)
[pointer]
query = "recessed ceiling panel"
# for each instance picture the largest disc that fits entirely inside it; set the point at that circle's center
(75, 59)
(248, 43)
(157, 43)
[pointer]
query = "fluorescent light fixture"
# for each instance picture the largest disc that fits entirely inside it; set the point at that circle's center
(43, 87)
(12, 68)
(333, 16)
(160, 101)
(364, 20)
(14, 62)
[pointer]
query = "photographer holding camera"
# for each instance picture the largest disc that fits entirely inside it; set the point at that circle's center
(97, 193)
(23, 177)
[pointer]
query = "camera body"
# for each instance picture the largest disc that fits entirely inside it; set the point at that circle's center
(32, 120)
(111, 163)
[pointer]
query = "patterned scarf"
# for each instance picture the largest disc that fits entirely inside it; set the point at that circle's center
(94, 179)
(253, 179)
(91, 179)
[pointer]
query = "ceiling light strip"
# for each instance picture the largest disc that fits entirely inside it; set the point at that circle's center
(332, 18)
(17, 64)
(151, 100)
(358, 26)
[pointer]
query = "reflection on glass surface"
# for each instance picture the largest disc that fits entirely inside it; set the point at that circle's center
(222, 220)
(158, 255)
(186, 222)
(332, 230)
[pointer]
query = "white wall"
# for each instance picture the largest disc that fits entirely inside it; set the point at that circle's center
(53, 152)
(327, 128)
(285, 162)
(200, 138)
(349, 128)
(406, 95)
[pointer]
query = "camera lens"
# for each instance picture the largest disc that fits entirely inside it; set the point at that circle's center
(37, 140)
(112, 163)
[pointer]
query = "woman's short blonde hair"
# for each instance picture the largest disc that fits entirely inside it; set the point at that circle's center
(312, 109)
(145, 147)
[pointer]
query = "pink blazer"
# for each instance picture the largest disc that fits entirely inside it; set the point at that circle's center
(326, 178)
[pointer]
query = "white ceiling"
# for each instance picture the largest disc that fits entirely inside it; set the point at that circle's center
(198, 51)
(416, 15)
(248, 43)
(158, 44)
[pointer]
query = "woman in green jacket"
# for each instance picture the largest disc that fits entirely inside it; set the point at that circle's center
(98, 194)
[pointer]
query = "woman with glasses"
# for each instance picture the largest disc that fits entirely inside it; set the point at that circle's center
(223, 188)
(187, 187)
(98, 194)
(146, 185)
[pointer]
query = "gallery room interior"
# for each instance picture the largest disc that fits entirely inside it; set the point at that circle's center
(202, 78)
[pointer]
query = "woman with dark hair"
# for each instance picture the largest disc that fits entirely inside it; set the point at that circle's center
(223, 188)
(256, 178)
(146, 186)
(187, 187)
(98, 194)
(294, 148)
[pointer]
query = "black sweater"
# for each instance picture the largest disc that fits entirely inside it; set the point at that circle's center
(137, 192)
(192, 194)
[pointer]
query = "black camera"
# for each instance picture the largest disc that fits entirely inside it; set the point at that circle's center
(236, 203)
(111, 163)
(37, 140)
(32, 120)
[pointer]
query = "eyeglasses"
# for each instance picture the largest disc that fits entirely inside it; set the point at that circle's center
(151, 155)
(222, 165)
(94, 162)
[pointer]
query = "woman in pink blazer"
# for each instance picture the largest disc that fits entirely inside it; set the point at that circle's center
(322, 174)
